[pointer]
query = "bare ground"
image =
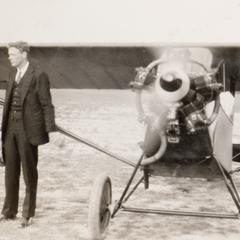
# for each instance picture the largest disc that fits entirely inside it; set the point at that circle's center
(67, 170)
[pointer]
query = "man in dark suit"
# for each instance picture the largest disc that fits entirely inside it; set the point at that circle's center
(28, 117)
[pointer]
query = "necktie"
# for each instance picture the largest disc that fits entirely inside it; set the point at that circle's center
(18, 77)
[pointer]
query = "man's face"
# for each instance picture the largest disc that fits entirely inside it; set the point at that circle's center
(16, 57)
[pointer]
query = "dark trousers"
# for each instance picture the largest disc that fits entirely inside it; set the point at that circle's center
(19, 152)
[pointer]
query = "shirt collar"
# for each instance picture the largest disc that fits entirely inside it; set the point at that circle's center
(23, 69)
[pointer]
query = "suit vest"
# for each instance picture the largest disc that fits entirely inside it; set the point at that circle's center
(16, 108)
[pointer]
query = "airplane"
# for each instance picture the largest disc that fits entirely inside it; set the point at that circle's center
(188, 116)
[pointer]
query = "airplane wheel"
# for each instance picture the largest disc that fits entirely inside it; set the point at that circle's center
(99, 213)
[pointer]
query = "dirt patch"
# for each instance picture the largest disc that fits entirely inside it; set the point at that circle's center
(67, 170)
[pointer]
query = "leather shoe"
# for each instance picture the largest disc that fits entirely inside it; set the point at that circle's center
(6, 218)
(26, 222)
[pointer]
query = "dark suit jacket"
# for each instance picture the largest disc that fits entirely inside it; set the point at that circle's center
(37, 109)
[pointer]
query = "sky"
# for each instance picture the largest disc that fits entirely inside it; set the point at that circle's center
(120, 22)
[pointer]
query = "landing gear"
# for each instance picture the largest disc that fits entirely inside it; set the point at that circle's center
(99, 207)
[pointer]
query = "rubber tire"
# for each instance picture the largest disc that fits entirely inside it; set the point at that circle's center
(99, 213)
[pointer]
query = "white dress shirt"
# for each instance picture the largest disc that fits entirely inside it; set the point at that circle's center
(20, 72)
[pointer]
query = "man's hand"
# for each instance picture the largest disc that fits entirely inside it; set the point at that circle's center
(57, 139)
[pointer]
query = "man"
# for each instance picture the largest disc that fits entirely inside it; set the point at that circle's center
(28, 117)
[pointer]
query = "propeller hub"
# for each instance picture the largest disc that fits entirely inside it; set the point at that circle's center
(172, 84)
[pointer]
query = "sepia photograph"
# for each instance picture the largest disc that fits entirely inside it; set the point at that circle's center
(120, 120)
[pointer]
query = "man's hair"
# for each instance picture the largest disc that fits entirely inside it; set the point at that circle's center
(20, 45)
